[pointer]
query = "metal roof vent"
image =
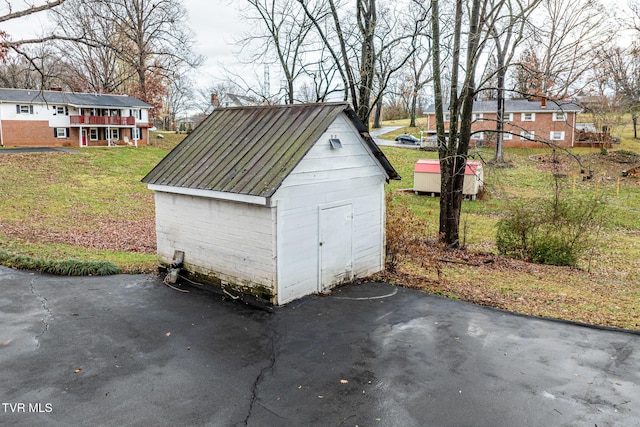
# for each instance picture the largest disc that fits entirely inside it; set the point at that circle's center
(335, 143)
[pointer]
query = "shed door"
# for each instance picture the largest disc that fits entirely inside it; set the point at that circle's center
(336, 259)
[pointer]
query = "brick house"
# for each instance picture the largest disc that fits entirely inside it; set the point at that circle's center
(66, 119)
(526, 123)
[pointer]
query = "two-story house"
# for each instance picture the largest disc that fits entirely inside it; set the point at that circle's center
(65, 119)
(526, 123)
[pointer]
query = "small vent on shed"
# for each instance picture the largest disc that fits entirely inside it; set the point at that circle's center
(335, 143)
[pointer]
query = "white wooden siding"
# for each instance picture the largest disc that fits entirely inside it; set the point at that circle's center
(8, 112)
(329, 177)
(234, 240)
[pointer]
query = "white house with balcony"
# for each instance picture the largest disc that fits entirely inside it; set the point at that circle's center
(65, 119)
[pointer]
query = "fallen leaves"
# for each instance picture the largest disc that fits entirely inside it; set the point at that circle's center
(112, 234)
(519, 286)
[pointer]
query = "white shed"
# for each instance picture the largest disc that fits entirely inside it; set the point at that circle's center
(277, 202)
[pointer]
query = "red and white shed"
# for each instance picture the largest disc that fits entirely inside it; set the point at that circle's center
(426, 177)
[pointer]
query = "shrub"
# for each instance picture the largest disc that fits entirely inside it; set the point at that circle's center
(553, 231)
(518, 229)
(405, 232)
(58, 267)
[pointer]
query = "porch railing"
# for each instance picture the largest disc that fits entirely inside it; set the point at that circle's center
(103, 120)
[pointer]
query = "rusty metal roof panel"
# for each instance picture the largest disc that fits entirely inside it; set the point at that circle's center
(250, 150)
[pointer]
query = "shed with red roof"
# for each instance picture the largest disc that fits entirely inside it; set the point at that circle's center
(426, 177)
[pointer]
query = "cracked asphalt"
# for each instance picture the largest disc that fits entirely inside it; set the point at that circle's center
(129, 351)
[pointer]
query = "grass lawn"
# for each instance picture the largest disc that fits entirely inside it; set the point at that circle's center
(91, 205)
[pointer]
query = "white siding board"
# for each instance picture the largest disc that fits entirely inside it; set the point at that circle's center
(234, 240)
(356, 163)
(328, 177)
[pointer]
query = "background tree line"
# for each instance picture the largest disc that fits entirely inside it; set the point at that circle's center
(375, 54)
(136, 47)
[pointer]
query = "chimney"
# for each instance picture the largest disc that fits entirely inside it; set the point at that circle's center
(543, 103)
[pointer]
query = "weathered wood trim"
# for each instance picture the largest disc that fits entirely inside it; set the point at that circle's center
(210, 194)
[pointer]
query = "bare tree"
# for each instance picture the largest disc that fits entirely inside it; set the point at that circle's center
(356, 42)
(96, 62)
(321, 77)
(565, 36)
(11, 12)
(415, 55)
(150, 41)
(178, 99)
(420, 67)
(453, 148)
(16, 72)
(621, 70)
(14, 10)
(506, 30)
(279, 34)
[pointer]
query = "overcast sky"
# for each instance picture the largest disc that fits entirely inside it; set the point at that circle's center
(214, 22)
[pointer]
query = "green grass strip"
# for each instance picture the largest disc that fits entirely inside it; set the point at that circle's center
(70, 267)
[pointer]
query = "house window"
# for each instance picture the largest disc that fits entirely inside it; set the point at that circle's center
(93, 134)
(528, 117)
(136, 134)
(60, 133)
(478, 135)
(115, 133)
(60, 110)
(526, 134)
(477, 116)
(559, 116)
(507, 117)
(136, 113)
(446, 117)
(557, 136)
(24, 109)
(507, 137)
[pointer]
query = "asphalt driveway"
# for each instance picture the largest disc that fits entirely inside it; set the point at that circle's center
(128, 350)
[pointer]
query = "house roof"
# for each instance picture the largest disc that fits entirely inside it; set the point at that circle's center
(251, 150)
(519, 106)
(76, 99)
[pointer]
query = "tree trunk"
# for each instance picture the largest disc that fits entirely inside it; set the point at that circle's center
(453, 157)
(377, 114)
(414, 101)
(447, 152)
(367, 22)
(499, 154)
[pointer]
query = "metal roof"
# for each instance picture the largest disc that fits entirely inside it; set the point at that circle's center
(433, 166)
(518, 106)
(76, 99)
(251, 150)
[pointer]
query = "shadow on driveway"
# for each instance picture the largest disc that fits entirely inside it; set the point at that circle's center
(127, 350)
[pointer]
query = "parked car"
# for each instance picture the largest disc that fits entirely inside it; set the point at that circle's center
(407, 139)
